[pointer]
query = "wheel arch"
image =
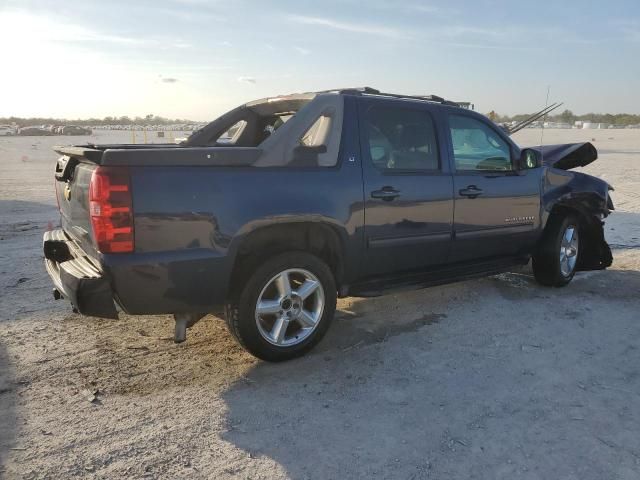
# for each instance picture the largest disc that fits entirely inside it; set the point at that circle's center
(321, 238)
(589, 208)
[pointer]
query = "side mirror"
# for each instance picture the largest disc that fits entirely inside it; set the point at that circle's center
(307, 155)
(530, 158)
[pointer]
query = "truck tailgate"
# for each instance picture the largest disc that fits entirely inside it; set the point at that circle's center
(72, 178)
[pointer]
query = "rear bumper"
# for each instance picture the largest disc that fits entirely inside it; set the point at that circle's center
(191, 280)
(76, 277)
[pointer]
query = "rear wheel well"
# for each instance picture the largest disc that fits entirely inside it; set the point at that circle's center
(318, 239)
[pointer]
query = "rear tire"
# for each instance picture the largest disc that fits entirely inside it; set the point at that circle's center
(555, 262)
(284, 308)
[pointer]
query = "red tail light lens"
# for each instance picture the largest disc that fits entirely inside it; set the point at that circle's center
(110, 209)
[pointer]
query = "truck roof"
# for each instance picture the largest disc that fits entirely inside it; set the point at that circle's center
(297, 98)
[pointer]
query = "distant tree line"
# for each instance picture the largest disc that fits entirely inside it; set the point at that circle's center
(568, 116)
(145, 121)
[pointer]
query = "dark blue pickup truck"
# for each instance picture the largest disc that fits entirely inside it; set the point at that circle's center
(281, 205)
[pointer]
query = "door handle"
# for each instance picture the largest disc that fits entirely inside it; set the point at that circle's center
(386, 193)
(471, 191)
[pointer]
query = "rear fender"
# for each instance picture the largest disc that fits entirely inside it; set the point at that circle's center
(311, 233)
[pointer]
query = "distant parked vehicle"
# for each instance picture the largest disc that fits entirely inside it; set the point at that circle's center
(75, 130)
(34, 131)
(6, 130)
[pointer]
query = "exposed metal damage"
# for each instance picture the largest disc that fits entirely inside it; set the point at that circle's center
(580, 193)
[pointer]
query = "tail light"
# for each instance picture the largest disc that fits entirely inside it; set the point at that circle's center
(110, 209)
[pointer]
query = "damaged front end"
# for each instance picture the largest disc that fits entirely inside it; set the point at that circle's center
(569, 192)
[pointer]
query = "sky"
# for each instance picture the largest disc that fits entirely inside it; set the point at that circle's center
(197, 59)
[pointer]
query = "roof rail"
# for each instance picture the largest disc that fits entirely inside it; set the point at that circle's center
(373, 91)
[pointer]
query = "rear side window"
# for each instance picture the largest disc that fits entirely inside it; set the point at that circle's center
(318, 133)
(476, 146)
(318, 145)
(230, 137)
(401, 139)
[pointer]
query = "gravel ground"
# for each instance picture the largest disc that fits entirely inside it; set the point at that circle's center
(489, 379)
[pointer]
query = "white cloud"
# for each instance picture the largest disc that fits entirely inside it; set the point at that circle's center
(377, 30)
(36, 29)
(302, 51)
(422, 8)
(630, 29)
(425, 8)
(57, 31)
(412, 7)
(466, 30)
(181, 44)
(243, 79)
(488, 46)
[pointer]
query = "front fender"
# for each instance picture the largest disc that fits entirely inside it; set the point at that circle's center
(582, 192)
(588, 198)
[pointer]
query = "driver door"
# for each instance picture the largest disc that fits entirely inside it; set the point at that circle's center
(496, 208)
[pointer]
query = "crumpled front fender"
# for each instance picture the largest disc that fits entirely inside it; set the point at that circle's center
(588, 198)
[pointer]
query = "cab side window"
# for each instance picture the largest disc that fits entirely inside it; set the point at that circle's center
(401, 139)
(476, 146)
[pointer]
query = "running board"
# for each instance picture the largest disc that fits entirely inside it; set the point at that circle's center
(439, 276)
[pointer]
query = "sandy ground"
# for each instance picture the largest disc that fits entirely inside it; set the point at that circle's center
(489, 379)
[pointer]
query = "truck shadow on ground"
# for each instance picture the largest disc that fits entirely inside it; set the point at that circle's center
(8, 420)
(420, 403)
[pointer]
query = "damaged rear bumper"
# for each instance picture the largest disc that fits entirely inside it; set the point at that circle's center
(76, 278)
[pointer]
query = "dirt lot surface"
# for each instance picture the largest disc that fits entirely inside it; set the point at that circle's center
(491, 379)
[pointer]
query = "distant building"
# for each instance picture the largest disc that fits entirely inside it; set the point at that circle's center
(556, 125)
(594, 126)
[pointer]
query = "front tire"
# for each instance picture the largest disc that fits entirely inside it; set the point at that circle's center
(555, 262)
(284, 308)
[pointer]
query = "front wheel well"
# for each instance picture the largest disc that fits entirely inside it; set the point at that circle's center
(318, 239)
(594, 252)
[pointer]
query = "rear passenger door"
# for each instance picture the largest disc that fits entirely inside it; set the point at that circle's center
(407, 187)
(497, 208)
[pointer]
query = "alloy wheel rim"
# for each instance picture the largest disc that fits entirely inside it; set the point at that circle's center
(289, 307)
(569, 250)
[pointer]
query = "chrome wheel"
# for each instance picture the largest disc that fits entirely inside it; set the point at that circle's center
(289, 307)
(569, 250)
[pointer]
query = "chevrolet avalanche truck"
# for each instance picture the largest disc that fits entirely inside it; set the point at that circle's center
(281, 205)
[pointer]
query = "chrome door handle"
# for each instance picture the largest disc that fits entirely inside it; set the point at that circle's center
(471, 191)
(386, 193)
